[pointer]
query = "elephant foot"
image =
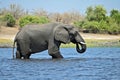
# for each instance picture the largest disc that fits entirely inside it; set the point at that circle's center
(56, 56)
(27, 56)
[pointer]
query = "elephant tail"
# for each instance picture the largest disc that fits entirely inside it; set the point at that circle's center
(13, 49)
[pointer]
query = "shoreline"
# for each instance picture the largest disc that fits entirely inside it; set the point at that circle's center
(89, 42)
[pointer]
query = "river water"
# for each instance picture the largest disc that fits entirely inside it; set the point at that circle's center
(94, 64)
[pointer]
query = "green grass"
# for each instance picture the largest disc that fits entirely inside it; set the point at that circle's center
(96, 43)
(89, 42)
(2, 41)
(102, 43)
(6, 43)
(67, 45)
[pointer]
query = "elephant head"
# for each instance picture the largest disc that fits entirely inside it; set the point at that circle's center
(67, 33)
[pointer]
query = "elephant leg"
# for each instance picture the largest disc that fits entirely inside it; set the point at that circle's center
(24, 49)
(55, 55)
(27, 56)
(53, 50)
(18, 55)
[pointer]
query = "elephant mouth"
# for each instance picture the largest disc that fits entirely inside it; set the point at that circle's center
(83, 47)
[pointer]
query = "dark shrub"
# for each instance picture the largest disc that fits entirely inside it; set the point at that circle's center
(10, 20)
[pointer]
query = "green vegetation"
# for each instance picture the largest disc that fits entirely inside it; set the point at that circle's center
(97, 21)
(71, 45)
(32, 19)
(102, 43)
(7, 20)
(10, 20)
(6, 43)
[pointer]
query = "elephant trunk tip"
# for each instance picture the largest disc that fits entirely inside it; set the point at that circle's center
(83, 47)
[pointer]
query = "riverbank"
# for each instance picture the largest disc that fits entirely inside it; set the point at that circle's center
(97, 43)
(7, 35)
(93, 40)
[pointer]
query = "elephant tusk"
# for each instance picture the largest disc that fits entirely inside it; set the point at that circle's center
(82, 43)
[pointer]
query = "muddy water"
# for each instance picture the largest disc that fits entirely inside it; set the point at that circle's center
(94, 64)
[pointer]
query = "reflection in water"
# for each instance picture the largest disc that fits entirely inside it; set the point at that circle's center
(94, 64)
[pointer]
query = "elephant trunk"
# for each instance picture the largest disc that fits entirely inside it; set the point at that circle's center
(83, 47)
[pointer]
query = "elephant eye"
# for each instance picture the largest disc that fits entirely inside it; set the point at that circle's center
(71, 34)
(75, 33)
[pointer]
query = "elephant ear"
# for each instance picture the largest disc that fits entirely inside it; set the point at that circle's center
(61, 34)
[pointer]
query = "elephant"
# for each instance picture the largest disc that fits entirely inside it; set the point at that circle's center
(34, 38)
